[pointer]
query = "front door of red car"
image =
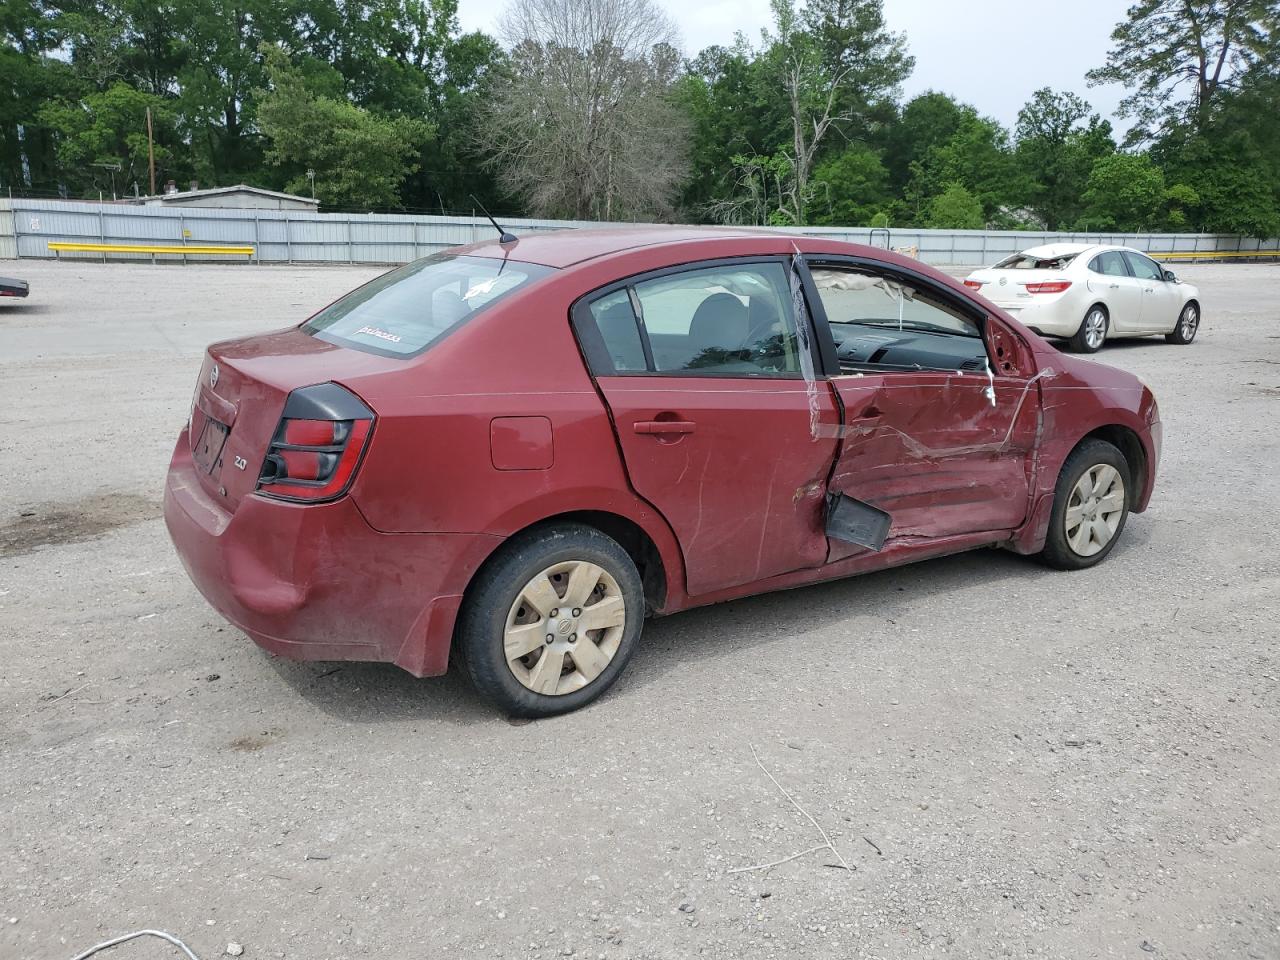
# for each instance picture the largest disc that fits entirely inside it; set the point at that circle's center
(939, 418)
(720, 431)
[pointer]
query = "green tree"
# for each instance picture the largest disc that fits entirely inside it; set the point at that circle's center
(218, 83)
(927, 121)
(955, 209)
(108, 128)
(979, 158)
(1125, 192)
(1059, 138)
(1179, 56)
(359, 159)
(735, 108)
(851, 187)
(1234, 182)
(453, 162)
(835, 59)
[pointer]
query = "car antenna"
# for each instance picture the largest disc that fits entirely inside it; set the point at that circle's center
(503, 235)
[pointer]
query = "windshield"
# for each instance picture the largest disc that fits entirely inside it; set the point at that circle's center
(402, 313)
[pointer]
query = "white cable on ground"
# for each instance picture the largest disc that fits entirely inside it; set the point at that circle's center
(131, 936)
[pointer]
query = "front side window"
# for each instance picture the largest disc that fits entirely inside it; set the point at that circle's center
(1109, 264)
(403, 312)
(881, 322)
(1143, 267)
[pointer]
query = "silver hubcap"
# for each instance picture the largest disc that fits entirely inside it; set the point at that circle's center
(1095, 328)
(1190, 322)
(564, 628)
(1095, 509)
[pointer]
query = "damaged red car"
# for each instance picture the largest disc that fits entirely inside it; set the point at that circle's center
(515, 452)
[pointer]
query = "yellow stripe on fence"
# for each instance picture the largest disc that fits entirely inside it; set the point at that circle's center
(58, 246)
(1214, 254)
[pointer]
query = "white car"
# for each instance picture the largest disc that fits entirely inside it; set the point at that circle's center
(1088, 293)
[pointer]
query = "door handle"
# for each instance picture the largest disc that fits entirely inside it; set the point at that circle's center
(1115, 286)
(869, 421)
(662, 427)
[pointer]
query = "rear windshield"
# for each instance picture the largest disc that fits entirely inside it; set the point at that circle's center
(1021, 261)
(405, 311)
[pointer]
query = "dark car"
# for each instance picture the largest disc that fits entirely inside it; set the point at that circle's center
(13, 288)
(519, 451)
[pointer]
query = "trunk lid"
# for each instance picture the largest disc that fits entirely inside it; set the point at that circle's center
(240, 396)
(1008, 288)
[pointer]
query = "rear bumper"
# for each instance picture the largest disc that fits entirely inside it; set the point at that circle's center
(315, 581)
(1050, 317)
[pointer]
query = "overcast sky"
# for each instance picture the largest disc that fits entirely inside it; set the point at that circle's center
(990, 53)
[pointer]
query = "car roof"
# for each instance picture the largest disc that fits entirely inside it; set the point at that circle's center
(564, 248)
(1051, 250)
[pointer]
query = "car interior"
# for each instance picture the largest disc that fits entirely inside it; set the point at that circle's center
(721, 320)
(880, 323)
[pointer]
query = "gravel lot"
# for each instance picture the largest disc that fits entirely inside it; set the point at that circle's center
(1018, 762)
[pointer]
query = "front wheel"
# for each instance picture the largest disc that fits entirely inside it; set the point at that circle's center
(1090, 506)
(1093, 331)
(552, 620)
(1188, 325)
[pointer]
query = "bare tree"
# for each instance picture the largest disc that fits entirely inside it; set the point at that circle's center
(583, 124)
(834, 60)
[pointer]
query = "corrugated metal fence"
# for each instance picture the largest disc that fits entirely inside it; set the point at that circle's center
(278, 236)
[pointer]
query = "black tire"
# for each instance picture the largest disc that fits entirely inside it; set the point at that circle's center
(1058, 551)
(1188, 325)
(483, 622)
(1086, 339)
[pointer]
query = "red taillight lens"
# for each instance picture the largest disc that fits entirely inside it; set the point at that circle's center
(1049, 286)
(309, 433)
(317, 446)
(973, 284)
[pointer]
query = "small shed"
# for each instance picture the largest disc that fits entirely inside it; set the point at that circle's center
(240, 197)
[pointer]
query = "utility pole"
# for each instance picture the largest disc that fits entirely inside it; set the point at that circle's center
(151, 153)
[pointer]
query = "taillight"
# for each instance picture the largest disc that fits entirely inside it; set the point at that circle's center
(1049, 286)
(317, 445)
(973, 284)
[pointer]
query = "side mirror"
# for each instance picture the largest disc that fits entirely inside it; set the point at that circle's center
(1169, 277)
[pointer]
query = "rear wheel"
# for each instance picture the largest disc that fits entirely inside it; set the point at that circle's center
(553, 620)
(1090, 506)
(1093, 331)
(1188, 325)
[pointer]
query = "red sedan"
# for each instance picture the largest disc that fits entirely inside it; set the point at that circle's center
(517, 451)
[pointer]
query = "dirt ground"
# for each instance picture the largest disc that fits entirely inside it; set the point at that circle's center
(1017, 762)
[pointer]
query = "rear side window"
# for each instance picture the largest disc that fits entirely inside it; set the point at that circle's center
(1021, 261)
(731, 320)
(616, 322)
(1109, 264)
(402, 313)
